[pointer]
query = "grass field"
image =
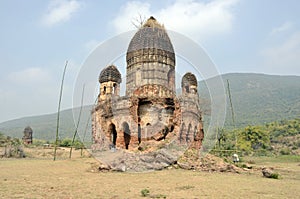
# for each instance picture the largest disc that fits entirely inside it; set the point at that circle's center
(44, 178)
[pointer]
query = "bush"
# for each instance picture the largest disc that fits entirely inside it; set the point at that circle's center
(78, 145)
(274, 175)
(243, 166)
(285, 151)
(262, 152)
(36, 142)
(65, 142)
(145, 192)
(258, 140)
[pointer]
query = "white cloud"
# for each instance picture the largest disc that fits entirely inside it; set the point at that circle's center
(29, 91)
(60, 11)
(34, 90)
(198, 20)
(32, 75)
(284, 27)
(284, 58)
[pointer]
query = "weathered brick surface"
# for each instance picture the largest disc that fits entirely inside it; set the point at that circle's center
(150, 114)
(27, 137)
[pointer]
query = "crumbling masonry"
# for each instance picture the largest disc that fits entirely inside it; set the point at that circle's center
(27, 137)
(150, 113)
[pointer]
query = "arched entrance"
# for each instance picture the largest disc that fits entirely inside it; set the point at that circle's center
(127, 135)
(113, 134)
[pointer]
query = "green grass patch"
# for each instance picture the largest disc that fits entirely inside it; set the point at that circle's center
(274, 159)
(274, 175)
(145, 192)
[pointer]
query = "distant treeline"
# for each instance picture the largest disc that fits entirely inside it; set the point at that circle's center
(66, 142)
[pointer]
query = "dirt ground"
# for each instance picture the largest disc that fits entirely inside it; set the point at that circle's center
(44, 178)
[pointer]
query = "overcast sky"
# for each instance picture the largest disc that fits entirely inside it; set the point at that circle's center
(37, 37)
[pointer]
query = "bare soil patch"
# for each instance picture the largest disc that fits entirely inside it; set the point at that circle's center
(64, 178)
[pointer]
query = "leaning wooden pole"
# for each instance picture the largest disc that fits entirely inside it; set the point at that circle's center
(85, 130)
(232, 113)
(78, 121)
(58, 111)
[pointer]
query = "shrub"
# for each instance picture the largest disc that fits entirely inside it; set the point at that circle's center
(65, 142)
(274, 175)
(298, 144)
(262, 152)
(36, 142)
(285, 151)
(243, 166)
(145, 192)
(78, 144)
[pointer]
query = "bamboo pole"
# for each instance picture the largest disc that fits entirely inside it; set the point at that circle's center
(58, 111)
(77, 125)
(85, 130)
(232, 113)
(86, 127)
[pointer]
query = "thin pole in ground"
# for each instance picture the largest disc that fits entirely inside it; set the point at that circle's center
(58, 111)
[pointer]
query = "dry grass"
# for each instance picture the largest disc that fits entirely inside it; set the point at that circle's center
(45, 178)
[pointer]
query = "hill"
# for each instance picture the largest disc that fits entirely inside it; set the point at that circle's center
(44, 126)
(257, 99)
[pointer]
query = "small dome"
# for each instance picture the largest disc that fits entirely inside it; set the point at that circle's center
(189, 79)
(28, 129)
(110, 73)
(153, 41)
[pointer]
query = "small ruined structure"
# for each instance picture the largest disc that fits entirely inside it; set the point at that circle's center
(27, 137)
(150, 114)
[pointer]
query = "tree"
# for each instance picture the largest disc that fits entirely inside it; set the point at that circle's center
(253, 138)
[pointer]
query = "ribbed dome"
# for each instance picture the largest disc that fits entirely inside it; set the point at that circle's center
(110, 73)
(150, 44)
(189, 79)
(28, 129)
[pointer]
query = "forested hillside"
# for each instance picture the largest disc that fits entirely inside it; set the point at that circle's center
(257, 99)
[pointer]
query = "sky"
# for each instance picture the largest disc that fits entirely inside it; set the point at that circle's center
(37, 37)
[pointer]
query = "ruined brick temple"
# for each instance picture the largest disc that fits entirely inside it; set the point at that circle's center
(27, 137)
(150, 114)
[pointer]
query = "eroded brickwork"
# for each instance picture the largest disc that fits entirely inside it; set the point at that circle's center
(150, 114)
(27, 137)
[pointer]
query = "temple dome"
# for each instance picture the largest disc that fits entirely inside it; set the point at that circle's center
(28, 129)
(151, 43)
(110, 73)
(189, 79)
